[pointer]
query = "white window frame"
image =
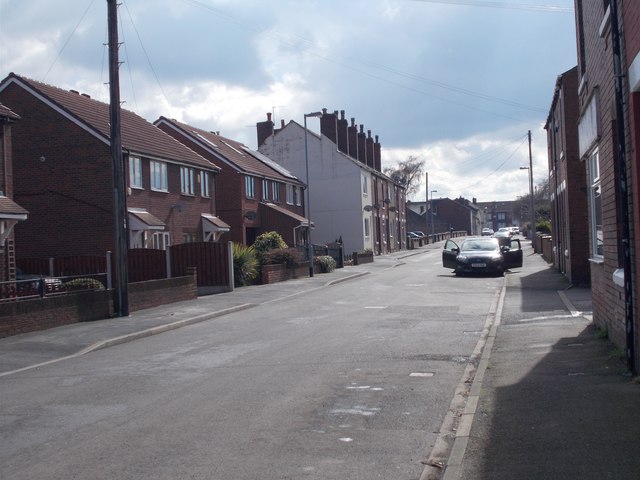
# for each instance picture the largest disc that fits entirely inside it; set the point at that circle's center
(187, 183)
(135, 172)
(161, 240)
(367, 228)
(290, 196)
(250, 187)
(204, 184)
(297, 193)
(275, 192)
(365, 185)
(159, 181)
(265, 189)
(595, 205)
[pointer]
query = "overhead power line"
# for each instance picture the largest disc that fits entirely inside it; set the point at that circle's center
(504, 5)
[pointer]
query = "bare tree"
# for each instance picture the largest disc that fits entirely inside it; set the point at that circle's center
(407, 173)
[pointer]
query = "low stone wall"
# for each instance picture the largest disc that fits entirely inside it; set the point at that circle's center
(42, 313)
(360, 258)
(282, 272)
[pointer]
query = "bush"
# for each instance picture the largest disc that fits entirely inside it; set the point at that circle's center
(245, 265)
(543, 226)
(325, 263)
(287, 256)
(265, 242)
(83, 284)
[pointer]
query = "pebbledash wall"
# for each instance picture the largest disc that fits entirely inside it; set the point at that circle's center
(40, 314)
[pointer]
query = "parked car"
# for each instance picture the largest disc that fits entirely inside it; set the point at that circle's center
(418, 234)
(487, 232)
(28, 284)
(503, 235)
(515, 230)
(481, 255)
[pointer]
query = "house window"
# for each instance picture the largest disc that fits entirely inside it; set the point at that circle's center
(367, 228)
(365, 184)
(189, 238)
(595, 201)
(204, 184)
(161, 240)
(250, 187)
(186, 181)
(297, 192)
(159, 176)
(290, 194)
(275, 192)
(135, 172)
(265, 190)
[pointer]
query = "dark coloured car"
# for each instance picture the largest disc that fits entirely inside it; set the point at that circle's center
(503, 236)
(481, 255)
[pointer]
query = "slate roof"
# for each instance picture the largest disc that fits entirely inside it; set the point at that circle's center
(138, 135)
(233, 153)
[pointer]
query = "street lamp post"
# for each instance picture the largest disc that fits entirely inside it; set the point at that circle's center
(532, 215)
(306, 161)
(433, 231)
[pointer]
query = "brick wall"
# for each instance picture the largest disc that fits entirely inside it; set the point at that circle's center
(595, 70)
(41, 314)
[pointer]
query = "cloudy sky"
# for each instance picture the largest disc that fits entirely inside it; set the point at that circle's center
(455, 82)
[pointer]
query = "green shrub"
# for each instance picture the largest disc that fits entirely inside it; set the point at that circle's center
(543, 226)
(265, 242)
(287, 256)
(245, 265)
(83, 284)
(325, 263)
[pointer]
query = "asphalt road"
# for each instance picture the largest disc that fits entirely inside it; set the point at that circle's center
(349, 381)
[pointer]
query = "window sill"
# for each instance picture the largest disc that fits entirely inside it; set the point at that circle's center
(597, 260)
(158, 190)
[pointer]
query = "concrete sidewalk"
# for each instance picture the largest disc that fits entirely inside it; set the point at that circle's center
(551, 399)
(31, 350)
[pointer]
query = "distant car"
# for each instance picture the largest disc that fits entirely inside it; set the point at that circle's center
(481, 255)
(413, 235)
(515, 230)
(503, 236)
(29, 284)
(487, 232)
(418, 233)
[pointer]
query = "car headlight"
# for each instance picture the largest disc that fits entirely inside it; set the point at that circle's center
(463, 259)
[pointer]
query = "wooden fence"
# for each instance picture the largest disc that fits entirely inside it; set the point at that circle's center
(211, 261)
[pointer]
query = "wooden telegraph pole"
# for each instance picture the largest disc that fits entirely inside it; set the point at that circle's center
(121, 283)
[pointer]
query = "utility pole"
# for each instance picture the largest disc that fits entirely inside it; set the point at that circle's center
(121, 284)
(532, 212)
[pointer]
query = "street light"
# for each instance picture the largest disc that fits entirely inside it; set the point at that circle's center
(306, 160)
(433, 231)
(532, 213)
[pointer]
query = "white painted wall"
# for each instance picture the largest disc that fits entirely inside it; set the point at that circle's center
(337, 202)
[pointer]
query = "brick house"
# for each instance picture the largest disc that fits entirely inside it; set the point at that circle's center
(608, 119)
(351, 199)
(63, 176)
(253, 194)
(459, 214)
(10, 212)
(502, 213)
(567, 183)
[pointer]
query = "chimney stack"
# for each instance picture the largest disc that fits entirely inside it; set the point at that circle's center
(352, 139)
(369, 150)
(362, 145)
(264, 130)
(377, 155)
(328, 125)
(343, 138)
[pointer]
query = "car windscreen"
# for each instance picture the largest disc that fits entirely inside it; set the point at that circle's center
(486, 245)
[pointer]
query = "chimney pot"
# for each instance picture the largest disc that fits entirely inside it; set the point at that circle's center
(361, 128)
(368, 133)
(342, 114)
(353, 121)
(377, 139)
(269, 116)
(282, 122)
(324, 111)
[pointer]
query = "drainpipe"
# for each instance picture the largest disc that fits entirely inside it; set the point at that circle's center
(623, 190)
